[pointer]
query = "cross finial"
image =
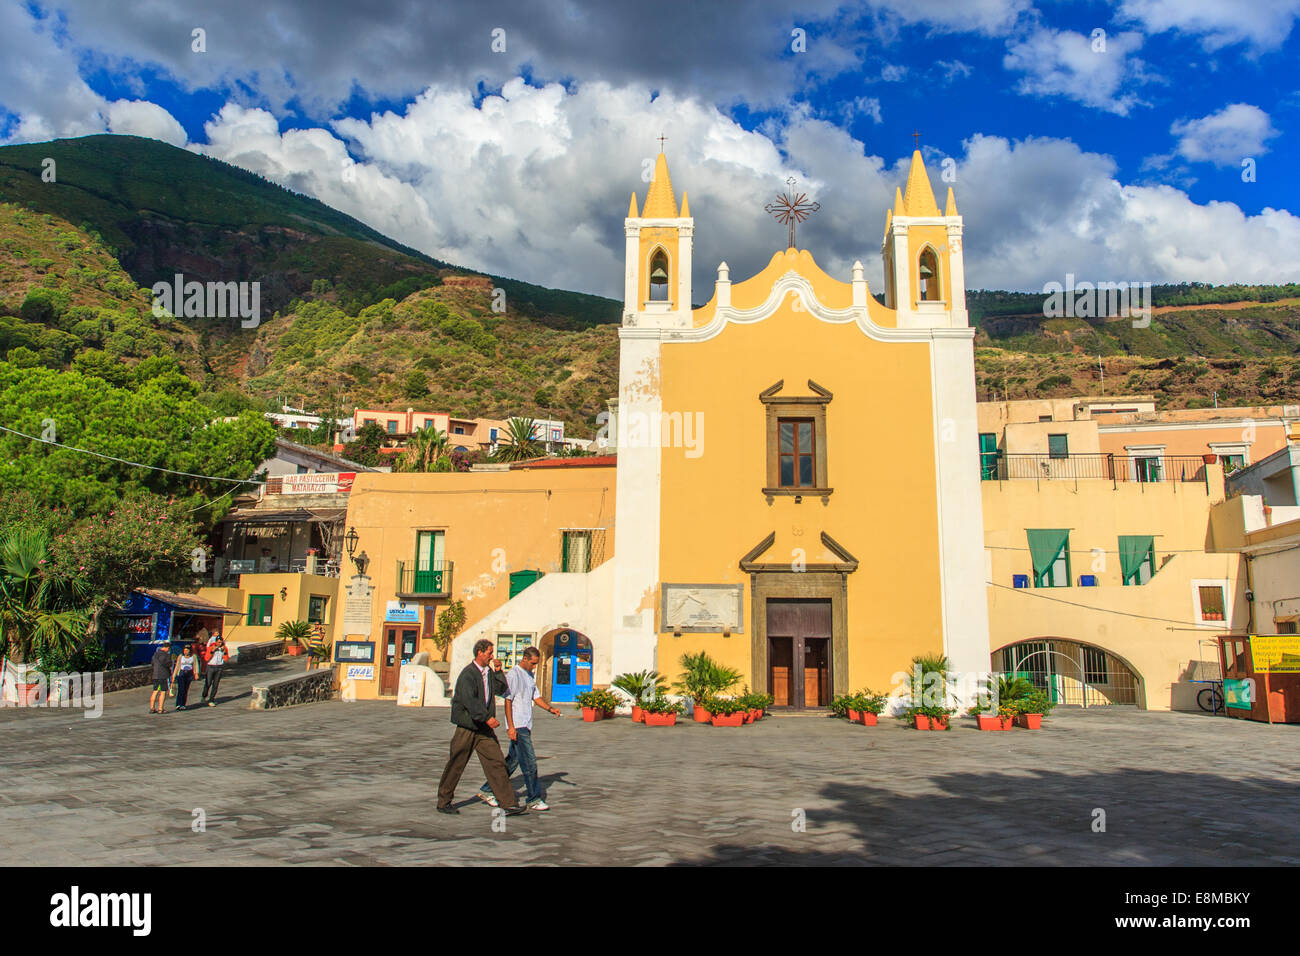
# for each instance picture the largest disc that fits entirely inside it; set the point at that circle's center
(662, 137)
(916, 139)
(790, 210)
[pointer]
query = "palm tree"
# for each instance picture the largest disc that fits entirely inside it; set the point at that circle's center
(520, 442)
(423, 451)
(38, 610)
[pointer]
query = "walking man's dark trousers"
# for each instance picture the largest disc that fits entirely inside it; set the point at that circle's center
(470, 713)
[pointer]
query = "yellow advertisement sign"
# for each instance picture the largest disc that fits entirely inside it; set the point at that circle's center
(1278, 654)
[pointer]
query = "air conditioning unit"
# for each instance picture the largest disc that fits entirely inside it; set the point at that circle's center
(1020, 580)
(1087, 580)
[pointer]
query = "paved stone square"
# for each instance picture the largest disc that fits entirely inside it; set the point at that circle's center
(353, 783)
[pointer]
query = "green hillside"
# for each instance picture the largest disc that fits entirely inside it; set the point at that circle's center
(351, 317)
(164, 210)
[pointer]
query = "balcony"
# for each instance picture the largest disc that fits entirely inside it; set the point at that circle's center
(434, 580)
(1140, 469)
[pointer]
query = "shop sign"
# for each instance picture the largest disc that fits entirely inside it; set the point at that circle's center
(318, 484)
(1278, 654)
(359, 672)
(401, 612)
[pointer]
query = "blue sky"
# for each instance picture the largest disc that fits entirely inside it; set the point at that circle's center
(1115, 156)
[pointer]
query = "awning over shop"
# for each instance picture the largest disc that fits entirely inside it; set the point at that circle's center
(246, 516)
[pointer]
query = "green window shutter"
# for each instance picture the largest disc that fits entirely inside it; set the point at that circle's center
(1045, 546)
(1134, 550)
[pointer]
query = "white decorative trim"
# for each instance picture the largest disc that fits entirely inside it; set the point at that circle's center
(795, 282)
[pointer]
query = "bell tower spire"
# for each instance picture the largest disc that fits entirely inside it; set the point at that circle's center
(925, 279)
(657, 284)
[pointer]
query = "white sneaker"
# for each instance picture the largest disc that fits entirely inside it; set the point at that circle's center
(538, 805)
(489, 799)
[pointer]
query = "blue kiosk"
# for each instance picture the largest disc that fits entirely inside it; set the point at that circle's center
(152, 618)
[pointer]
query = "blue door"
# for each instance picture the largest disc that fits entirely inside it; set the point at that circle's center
(570, 667)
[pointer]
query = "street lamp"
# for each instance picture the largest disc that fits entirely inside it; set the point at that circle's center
(350, 539)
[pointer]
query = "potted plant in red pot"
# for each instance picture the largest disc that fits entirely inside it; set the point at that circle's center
(596, 704)
(928, 693)
(1030, 710)
(727, 712)
(640, 686)
(996, 706)
(870, 706)
(661, 712)
(702, 678)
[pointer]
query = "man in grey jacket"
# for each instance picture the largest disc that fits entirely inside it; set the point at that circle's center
(473, 711)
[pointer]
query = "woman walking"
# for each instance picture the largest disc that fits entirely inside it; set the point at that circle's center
(187, 667)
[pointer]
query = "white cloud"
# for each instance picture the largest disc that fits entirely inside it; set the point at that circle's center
(43, 89)
(992, 17)
(534, 183)
(1037, 209)
(1263, 24)
(1069, 64)
(142, 118)
(861, 106)
(953, 69)
(1225, 138)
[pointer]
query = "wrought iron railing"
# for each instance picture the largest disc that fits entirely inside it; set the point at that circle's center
(1106, 467)
(432, 579)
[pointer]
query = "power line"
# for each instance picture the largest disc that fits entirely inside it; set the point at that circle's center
(1089, 607)
(134, 464)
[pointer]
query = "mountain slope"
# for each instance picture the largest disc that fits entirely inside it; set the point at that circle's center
(165, 210)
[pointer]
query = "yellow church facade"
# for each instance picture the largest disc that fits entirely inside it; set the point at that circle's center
(796, 494)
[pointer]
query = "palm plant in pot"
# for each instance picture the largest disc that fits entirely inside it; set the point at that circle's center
(661, 712)
(703, 678)
(927, 690)
(641, 686)
(295, 635)
(995, 707)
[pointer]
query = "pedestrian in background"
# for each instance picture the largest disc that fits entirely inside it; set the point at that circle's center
(187, 667)
(162, 668)
(216, 664)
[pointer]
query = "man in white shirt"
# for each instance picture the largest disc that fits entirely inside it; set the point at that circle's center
(519, 721)
(216, 665)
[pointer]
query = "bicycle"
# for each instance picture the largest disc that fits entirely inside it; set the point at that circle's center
(1211, 699)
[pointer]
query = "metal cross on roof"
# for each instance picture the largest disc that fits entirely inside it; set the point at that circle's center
(790, 210)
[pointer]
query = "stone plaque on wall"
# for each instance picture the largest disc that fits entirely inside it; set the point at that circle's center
(358, 613)
(702, 608)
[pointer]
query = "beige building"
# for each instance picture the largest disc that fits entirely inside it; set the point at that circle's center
(480, 537)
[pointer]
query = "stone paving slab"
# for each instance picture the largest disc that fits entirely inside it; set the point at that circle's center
(352, 784)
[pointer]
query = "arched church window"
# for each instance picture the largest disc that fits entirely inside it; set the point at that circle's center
(659, 277)
(929, 275)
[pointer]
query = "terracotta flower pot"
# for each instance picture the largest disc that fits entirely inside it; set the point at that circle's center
(853, 715)
(28, 694)
(294, 650)
(638, 715)
(660, 720)
(746, 716)
(868, 720)
(920, 722)
(591, 714)
(757, 713)
(702, 716)
(939, 723)
(728, 720)
(993, 722)
(1030, 721)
